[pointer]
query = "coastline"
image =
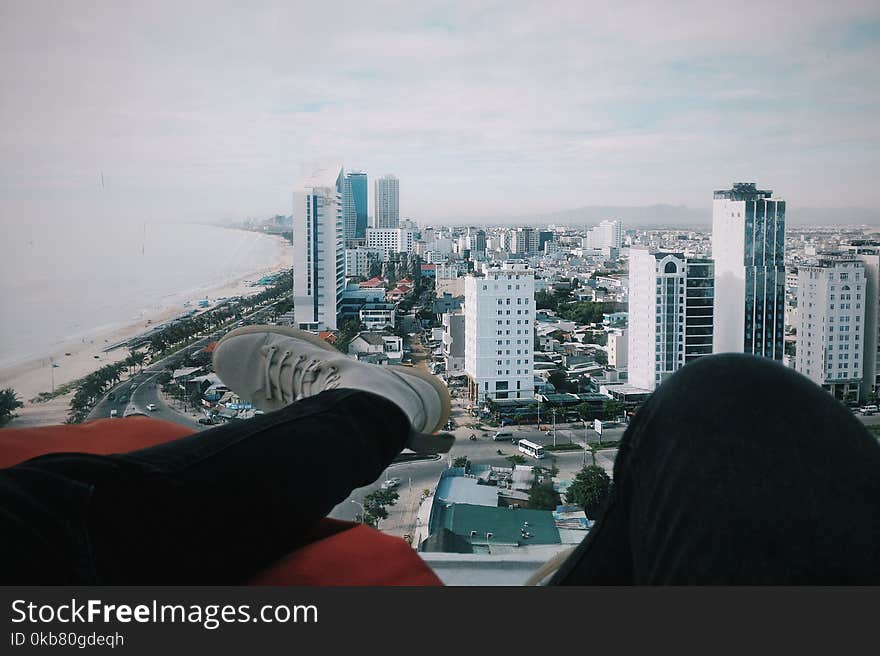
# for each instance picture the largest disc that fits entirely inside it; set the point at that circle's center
(86, 354)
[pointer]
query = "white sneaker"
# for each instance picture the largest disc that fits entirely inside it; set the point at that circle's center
(274, 366)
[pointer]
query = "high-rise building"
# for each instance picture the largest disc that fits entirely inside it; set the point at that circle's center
(390, 240)
(361, 260)
(524, 241)
(318, 253)
(670, 314)
(354, 202)
(748, 246)
(608, 234)
(499, 313)
(544, 236)
(831, 335)
(870, 259)
(387, 200)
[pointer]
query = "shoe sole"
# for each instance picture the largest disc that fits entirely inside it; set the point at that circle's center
(296, 333)
(280, 330)
(442, 391)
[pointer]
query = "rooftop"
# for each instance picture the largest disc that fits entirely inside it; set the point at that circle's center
(321, 177)
(504, 524)
(462, 489)
(743, 191)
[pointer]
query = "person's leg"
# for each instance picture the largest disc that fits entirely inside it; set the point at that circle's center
(213, 508)
(738, 471)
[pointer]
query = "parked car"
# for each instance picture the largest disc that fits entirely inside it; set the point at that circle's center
(390, 483)
(151, 407)
(869, 409)
(207, 421)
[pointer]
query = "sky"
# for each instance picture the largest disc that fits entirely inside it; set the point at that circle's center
(212, 111)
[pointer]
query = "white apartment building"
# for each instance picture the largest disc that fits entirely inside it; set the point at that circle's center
(748, 247)
(670, 314)
(376, 316)
(390, 240)
(608, 234)
(618, 343)
(387, 202)
(318, 253)
(831, 324)
(499, 313)
(453, 342)
(359, 260)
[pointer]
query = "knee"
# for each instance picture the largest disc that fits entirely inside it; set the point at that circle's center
(737, 375)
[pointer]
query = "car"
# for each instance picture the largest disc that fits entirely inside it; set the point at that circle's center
(151, 407)
(390, 483)
(869, 409)
(114, 413)
(207, 421)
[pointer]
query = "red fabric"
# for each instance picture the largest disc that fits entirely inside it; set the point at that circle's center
(338, 553)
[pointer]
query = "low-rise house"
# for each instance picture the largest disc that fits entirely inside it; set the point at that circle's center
(376, 316)
(376, 348)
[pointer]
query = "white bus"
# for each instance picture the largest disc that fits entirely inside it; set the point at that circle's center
(531, 449)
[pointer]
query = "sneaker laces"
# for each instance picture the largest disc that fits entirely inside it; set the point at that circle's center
(305, 381)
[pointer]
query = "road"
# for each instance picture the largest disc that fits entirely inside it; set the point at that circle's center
(418, 476)
(132, 396)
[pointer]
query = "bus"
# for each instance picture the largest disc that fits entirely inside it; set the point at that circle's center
(531, 449)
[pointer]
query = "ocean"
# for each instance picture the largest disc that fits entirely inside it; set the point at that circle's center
(60, 281)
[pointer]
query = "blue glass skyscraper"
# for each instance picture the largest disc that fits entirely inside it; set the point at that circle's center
(355, 205)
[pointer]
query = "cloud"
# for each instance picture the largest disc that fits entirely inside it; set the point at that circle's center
(481, 108)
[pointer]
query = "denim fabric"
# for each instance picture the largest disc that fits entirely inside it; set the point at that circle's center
(738, 471)
(212, 508)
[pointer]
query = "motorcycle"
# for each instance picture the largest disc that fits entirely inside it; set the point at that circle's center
(473, 438)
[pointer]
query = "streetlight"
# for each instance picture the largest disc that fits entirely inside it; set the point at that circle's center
(363, 511)
(585, 441)
(54, 366)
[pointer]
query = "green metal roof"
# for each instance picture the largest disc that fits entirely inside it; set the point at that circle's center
(505, 524)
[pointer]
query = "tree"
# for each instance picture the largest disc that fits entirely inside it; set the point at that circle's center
(590, 490)
(614, 408)
(601, 357)
(560, 381)
(9, 403)
(375, 506)
(516, 459)
(462, 462)
(542, 496)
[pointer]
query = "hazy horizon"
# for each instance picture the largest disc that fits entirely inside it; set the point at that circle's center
(192, 111)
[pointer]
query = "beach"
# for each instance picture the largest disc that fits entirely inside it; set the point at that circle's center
(82, 355)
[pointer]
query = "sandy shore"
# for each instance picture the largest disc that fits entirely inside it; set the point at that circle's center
(80, 357)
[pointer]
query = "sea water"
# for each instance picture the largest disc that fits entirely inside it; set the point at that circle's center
(60, 281)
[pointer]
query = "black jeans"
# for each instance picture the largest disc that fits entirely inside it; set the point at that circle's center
(738, 471)
(213, 508)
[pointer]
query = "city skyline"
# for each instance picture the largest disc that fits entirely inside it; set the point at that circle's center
(485, 110)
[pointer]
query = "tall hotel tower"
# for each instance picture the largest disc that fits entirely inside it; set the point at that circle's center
(499, 311)
(832, 341)
(318, 253)
(748, 244)
(670, 314)
(387, 200)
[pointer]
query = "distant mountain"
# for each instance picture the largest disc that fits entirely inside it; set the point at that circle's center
(670, 216)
